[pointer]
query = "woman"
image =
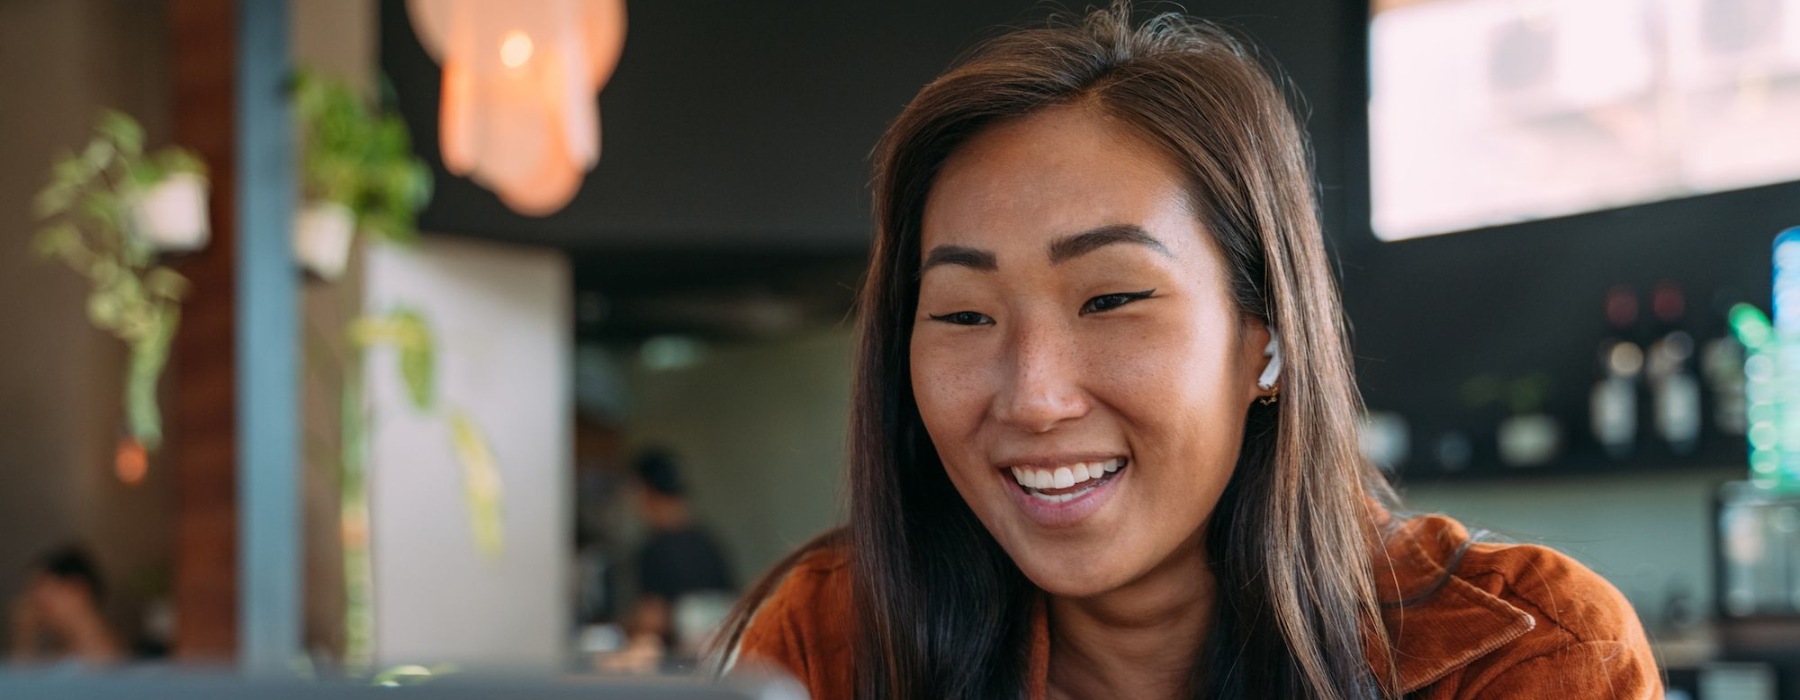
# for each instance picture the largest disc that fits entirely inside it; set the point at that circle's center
(1103, 440)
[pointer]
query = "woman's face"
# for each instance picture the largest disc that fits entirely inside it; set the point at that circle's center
(1076, 355)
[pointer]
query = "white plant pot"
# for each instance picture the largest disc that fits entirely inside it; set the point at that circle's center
(171, 216)
(323, 232)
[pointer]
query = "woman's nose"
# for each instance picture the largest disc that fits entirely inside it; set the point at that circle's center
(1042, 386)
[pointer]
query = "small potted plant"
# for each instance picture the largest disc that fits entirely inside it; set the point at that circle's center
(107, 212)
(168, 206)
(358, 175)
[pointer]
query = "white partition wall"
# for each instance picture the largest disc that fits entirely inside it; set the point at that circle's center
(500, 322)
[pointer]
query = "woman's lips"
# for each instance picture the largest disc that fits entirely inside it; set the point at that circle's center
(1063, 495)
(1052, 483)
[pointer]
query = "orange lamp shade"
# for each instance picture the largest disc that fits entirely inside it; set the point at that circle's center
(520, 112)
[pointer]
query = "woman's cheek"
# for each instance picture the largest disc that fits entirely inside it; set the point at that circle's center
(945, 386)
(1139, 358)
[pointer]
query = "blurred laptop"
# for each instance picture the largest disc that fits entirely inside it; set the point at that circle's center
(136, 685)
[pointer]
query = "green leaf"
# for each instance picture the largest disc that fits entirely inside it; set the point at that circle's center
(71, 171)
(143, 174)
(389, 229)
(104, 272)
(406, 331)
(106, 209)
(54, 199)
(416, 368)
(104, 309)
(165, 283)
(390, 138)
(181, 160)
(131, 298)
(123, 131)
(98, 155)
(419, 185)
(124, 284)
(364, 331)
(57, 240)
(482, 488)
(137, 251)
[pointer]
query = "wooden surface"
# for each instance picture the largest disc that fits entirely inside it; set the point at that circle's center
(203, 421)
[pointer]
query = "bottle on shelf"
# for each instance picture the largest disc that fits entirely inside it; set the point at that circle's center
(1674, 388)
(1722, 371)
(1613, 404)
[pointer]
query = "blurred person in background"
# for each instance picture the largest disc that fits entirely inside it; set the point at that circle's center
(685, 585)
(58, 616)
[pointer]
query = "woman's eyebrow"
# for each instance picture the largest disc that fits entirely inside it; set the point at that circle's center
(1061, 250)
(1076, 245)
(960, 255)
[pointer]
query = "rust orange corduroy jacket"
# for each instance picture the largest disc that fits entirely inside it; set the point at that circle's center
(1512, 621)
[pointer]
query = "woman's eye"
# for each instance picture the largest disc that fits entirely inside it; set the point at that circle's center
(964, 318)
(1108, 302)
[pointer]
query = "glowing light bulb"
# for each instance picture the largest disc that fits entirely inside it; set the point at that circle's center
(515, 49)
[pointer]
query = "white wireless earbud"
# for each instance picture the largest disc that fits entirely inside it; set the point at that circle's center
(1273, 371)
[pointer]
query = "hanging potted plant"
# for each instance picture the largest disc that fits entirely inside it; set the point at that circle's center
(107, 212)
(358, 175)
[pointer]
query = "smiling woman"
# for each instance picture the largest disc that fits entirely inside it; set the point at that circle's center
(1103, 436)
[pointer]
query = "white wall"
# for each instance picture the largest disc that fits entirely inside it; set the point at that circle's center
(501, 319)
(760, 428)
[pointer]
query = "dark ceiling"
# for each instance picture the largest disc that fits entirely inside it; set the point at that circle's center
(732, 181)
(735, 143)
(727, 124)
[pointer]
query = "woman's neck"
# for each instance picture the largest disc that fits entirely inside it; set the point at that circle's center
(1138, 641)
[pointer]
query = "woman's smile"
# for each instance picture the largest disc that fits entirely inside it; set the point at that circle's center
(1063, 492)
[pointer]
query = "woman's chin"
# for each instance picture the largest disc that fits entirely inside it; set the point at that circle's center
(1073, 576)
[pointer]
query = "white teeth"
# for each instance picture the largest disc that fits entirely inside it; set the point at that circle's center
(1064, 477)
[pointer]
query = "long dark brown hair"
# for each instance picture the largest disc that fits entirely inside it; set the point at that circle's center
(941, 611)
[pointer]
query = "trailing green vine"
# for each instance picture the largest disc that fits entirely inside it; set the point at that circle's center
(86, 212)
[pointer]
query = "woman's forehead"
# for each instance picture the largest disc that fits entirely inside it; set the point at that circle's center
(1025, 182)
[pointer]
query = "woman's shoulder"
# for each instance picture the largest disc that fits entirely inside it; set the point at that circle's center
(1471, 618)
(804, 627)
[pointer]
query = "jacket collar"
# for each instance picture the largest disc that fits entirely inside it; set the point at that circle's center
(1436, 620)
